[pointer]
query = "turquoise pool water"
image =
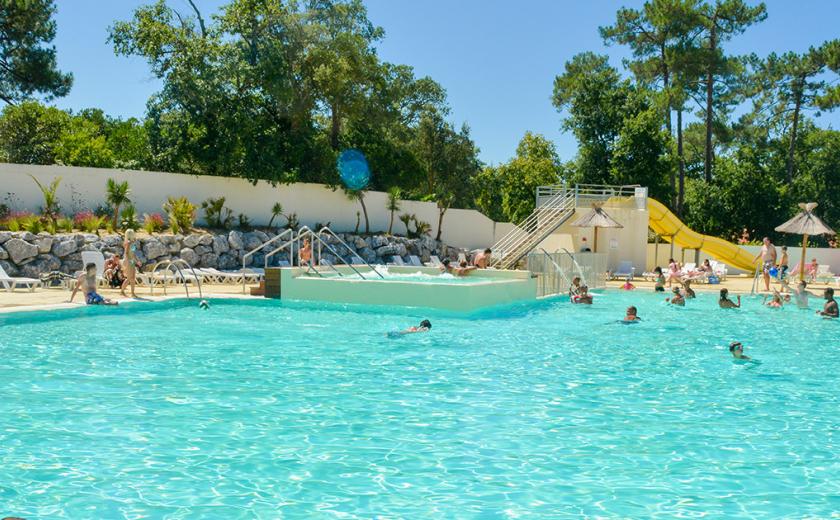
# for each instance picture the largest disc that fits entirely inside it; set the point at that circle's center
(263, 410)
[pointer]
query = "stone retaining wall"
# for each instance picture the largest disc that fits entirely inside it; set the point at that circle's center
(26, 254)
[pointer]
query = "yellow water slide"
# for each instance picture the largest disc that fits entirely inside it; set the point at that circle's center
(671, 228)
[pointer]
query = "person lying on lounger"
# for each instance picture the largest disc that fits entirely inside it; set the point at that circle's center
(87, 284)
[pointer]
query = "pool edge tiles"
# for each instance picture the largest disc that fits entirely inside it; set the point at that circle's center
(501, 287)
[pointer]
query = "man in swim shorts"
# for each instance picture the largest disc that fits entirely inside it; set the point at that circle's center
(87, 284)
(768, 259)
(830, 308)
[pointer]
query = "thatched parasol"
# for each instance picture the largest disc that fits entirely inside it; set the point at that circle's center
(596, 218)
(805, 224)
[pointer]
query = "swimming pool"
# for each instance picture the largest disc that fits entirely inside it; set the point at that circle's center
(263, 409)
(418, 276)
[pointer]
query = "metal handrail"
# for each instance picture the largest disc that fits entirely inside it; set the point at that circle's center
(176, 264)
(564, 206)
(277, 250)
(306, 231)
(524, 229)
(250, 253)
(758, 272)
(347, 246)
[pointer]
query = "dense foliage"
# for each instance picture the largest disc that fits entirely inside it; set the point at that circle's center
(275, 90)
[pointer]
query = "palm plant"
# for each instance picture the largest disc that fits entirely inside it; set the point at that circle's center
(51, 207)
(406, 219)
(116, 193)
(360, 196)
(393, 204)
(276, 211)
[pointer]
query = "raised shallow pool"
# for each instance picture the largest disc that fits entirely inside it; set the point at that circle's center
(262, 410)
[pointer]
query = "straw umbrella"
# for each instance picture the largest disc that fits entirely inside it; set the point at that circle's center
(596, 218)
(805, 224)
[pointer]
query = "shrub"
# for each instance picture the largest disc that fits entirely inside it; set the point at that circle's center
(4, 211)
(153, 223)
(64, 225)
(292, 221)
(244, 222)
(89, 222)
(128, 218)
(420, 228)
(181, 213)
(14, 220)
(33, 225)
(50, 194)
(102, 210)
(216, 214)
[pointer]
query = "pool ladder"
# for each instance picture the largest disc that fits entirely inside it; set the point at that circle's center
(176, 265)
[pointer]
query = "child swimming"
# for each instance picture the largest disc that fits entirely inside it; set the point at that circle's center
(425, 326)
(725, 303)
(737, 350)
(583, 296)
(677, 298)
(628, 285)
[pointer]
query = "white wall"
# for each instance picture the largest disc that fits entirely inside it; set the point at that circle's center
(84, 188)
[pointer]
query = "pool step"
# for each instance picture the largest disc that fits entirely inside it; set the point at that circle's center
(258, 291)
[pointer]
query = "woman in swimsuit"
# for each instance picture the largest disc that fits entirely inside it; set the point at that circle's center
(674, 272)
(660, 280)
(129, 262)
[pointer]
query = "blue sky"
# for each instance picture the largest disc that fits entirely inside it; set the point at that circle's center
(497, 59)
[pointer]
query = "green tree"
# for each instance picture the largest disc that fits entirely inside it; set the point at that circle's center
(27, 60)
(449, 161)
(393, 204)
(791, 84)
(536, 164)
(721, 21)
(30, 132)
(117, 194)
(359, 196)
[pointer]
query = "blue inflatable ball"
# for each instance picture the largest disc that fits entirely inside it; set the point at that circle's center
(353, 169)
(773, 272)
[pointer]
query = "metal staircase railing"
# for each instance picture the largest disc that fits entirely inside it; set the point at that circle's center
(305, 231)
(534, 229)
(176, 263)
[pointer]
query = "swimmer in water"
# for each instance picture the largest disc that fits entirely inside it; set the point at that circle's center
(583, 296)
(800, 292)
(204, 305)
(425, 326)
(725, 303)
(628, 285)
(689, 292)
(830, 308)
(737, 350)
(574, 289)
(677, 298)
(776, 302)
(631, 316)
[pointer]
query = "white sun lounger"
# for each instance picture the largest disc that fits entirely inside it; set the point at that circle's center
(95, 257)
(415, 261)
(397, 260)
(462, 258)
(434, 261)
(10, 284)
(625, 268)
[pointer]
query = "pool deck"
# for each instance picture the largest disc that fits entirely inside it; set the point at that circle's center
(43, 299)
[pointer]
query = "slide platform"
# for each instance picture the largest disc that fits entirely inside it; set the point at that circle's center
(665, 223)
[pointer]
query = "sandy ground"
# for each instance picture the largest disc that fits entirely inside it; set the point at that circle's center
(21, 299)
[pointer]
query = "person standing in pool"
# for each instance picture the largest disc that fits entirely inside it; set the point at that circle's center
(463, 269)
(583, 296)
(768, 260)
(87, 284)
(574, 289)
(725, 303)
(659, 282)
(830, 308)
(737, 350)
(689, 292)
(129, 263)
